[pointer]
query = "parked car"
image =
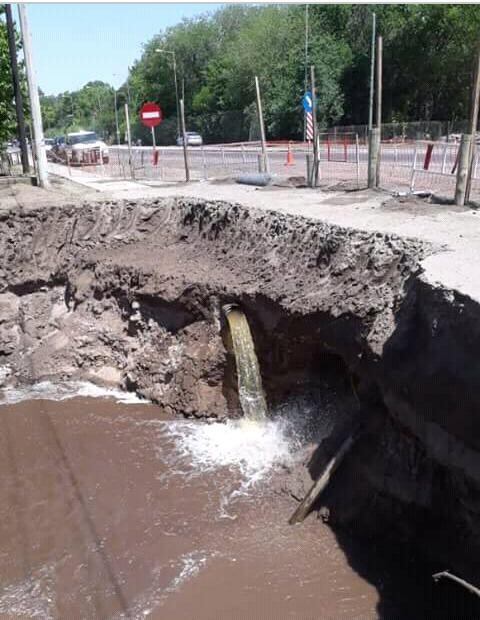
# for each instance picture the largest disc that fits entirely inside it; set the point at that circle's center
(81, 148)
(193, 139)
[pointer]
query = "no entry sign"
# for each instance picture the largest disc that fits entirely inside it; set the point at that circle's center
(151, 114)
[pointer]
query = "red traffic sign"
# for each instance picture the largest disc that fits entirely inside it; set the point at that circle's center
(151, 114)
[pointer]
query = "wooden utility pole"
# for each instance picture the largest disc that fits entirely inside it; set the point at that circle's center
(473, 123)
(184, 140)
(266, 165)
(462, 170)
(316, 154)
(379, 104)
(39, 146)
(17, 91)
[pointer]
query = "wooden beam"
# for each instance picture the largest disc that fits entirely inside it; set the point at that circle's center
(304, 508)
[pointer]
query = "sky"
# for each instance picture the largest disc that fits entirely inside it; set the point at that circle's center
(76, 43)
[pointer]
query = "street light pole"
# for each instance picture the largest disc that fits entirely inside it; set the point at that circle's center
(176, 91)
(116, 115)
(128, 86)
(161, 51)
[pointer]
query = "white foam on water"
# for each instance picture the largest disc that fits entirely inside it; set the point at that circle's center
(251, 448)
(188, 566)
(64, 391)
(191, 564)
(32, 598)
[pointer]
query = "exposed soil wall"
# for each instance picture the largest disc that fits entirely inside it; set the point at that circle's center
(131, 293)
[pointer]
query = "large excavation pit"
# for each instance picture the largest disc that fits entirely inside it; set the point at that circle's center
(174, 505)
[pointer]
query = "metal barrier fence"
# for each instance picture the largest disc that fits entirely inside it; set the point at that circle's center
(167, 164)
(446, 131)
(416, 167)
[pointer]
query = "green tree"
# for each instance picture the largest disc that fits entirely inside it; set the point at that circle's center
(428, 54)
(7, 103)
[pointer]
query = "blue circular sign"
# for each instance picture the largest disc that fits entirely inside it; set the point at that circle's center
(307, 102)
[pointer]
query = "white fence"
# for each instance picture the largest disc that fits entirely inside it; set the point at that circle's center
(409, 167)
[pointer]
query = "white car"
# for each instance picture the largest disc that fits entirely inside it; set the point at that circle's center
(193, 139)
(83, 148)
(49, 144)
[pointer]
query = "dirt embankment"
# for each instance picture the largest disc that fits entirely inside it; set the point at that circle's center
(131, 293)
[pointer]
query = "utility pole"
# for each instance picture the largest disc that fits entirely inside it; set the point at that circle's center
(316, 154)
(306, 72)
(17, 91)
(184, 140)
(374, 133)
(473, 122)
(372, 74)
(40, 155)
(379, 104)
(265, 162)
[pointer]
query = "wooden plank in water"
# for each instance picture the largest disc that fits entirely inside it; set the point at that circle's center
(304, 508)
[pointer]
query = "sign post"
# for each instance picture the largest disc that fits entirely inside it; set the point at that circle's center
(129, 141)
(151, 116)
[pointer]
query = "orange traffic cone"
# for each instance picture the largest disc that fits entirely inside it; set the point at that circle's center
(290, 161)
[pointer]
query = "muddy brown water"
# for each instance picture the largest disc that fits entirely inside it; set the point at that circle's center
(106, 512)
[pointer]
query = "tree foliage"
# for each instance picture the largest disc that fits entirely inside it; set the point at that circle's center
(428, 57)
(91, 107)
(7, 103)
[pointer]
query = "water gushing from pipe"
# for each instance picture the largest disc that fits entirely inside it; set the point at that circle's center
(250, 390)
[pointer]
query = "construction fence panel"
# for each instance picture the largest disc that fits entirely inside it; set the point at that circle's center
(168, 164)
(434, 168)
(343, 160)
(422, 166)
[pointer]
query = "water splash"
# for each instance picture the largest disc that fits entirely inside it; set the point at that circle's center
(245, 446)
(250, 390)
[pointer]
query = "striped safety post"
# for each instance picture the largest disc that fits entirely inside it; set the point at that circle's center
(428, 157)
